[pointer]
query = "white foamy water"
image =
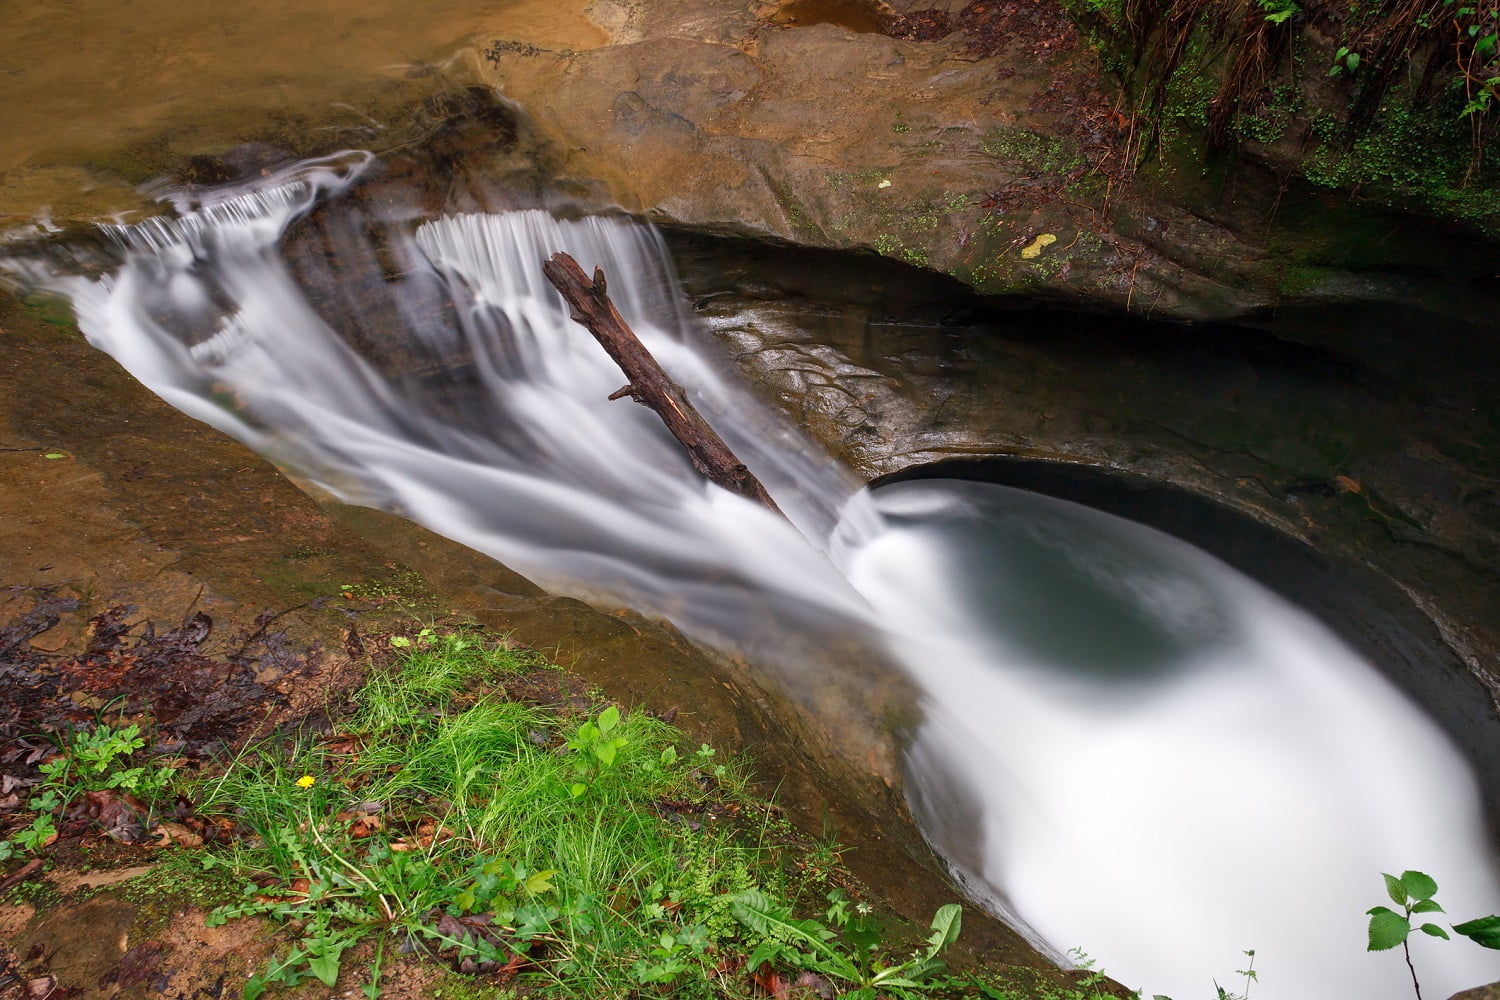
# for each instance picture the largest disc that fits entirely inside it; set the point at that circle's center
(1127, 746)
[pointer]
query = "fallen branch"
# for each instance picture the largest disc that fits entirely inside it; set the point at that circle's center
(648, 384)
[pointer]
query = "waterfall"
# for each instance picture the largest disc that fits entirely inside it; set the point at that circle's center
(1126, 746)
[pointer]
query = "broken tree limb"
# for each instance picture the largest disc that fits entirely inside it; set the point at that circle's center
(648, 384)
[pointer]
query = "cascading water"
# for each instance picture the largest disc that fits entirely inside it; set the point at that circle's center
(1125, 745)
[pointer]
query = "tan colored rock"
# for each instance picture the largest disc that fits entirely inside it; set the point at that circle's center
(1490, 992)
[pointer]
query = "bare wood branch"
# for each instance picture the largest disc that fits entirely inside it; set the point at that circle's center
(648, 384)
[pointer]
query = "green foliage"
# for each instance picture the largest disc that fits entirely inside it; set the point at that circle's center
(1406, 156)
(1413, 891)
(1412, 129)
(1344, 60)
(1278, 11)
(599, 748)
(593, 854)
(101, 760)
(98, 761)
(39, 834)
(811, 945)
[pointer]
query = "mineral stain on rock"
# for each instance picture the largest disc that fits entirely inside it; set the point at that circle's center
(852, 15)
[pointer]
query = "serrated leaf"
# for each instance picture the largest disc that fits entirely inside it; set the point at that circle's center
(1427, 906)
(1418, 885)
(1484, 931)
(609, 719)
(1394, 889)
(1433, 930)
(1387, 929)
(540, 882)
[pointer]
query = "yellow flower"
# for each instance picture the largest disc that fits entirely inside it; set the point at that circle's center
(306, 781)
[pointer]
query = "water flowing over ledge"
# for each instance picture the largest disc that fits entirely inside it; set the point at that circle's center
(1125, 746)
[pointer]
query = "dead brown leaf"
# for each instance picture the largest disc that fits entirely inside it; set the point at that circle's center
(176, 833)
(363, 826)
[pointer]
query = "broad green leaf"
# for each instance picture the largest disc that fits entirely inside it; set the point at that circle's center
(1395, 889)
(609, 719)
(1485, 931)
(945, 927)
(756, 911)
(325, 967)
(1427, 906)
(922, 969)
(1418, 885)
(1387, 929)
(764, 952)
(1352, 61)
(897, 981)
(540, 882)
(1433, 930)
(577, 789)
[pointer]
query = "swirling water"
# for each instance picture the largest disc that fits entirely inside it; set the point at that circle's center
(1126, 746)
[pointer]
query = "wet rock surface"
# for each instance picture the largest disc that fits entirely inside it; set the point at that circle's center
(1366, 482)
(152, 559)
(982, 141)
(979, 140)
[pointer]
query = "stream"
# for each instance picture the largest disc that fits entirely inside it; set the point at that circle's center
(1124, 745)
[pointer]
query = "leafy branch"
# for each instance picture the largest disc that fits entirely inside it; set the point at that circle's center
(1413, 891)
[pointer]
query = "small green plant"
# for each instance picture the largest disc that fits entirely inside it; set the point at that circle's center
(1413, 891)
(809, 944)
(1250, 976)
(598, 747)
(100, 761)
(1345, 60)
(95, 761)
(1279, 11)
(39, 834)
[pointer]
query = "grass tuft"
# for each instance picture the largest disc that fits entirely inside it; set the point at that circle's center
(589, 854)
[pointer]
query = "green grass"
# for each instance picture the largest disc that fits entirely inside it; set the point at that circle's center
(592, 855)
